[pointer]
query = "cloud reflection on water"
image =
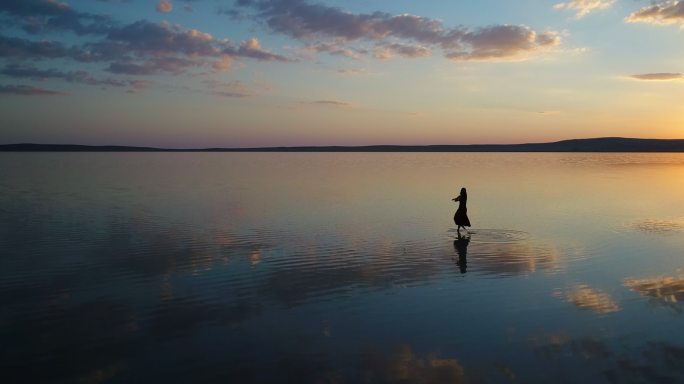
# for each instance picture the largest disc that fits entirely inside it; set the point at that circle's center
(509, 259)
(598, 360)
(89, 342)
(558, 346)
(665, 289)
(585, 297)
(403, 366)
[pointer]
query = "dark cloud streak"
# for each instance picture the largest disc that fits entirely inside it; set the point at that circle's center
(26, 90)
(41, 16)
(658, 76)
(333, 103)
(82, 77)
(236, 88)
(14, 48)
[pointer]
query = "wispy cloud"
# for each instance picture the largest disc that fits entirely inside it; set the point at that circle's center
(307, 21)
(331, 103)
(78, 77)
(335, 48)
(664, 13)
(584, 7)
(664, 76)
(26, 90)
(352, 71)
(83, 77)
(137, 86)
(235, 88)
(152, 66)
(388, 51)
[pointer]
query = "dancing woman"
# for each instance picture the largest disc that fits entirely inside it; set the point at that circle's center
(461, 215)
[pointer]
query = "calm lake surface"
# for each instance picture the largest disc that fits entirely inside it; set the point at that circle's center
(341, 268)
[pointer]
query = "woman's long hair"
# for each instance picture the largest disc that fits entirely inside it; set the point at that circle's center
(464, 193)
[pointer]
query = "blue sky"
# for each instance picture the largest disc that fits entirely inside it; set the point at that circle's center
(298, 72)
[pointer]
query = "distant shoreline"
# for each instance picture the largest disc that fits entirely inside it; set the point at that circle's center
(604, 144)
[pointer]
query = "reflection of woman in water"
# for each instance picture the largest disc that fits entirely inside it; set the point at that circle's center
(461, 216)
(461, 248)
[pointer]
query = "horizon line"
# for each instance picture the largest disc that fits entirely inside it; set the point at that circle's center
(22, 146)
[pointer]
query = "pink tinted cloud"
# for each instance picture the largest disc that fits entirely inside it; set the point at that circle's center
(164, 6)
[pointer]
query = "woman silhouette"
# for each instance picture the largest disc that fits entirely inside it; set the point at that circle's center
(461, 215)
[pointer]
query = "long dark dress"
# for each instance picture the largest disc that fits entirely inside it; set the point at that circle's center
(461, 215)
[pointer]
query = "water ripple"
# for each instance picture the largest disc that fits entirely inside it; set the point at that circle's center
(654, 226)
(498, 236)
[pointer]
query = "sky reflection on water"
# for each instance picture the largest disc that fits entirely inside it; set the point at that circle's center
(341, 268)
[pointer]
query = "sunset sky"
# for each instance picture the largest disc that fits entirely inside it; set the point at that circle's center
(224, 73)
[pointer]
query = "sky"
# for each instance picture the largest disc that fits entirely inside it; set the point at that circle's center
(246, 73)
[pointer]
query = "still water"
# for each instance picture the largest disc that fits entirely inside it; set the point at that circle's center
(341, 268)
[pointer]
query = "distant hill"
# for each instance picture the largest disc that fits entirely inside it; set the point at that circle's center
(604, 144)
(75, 148)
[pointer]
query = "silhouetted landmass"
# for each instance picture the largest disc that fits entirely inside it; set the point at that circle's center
(604, 144)
(76, 148)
